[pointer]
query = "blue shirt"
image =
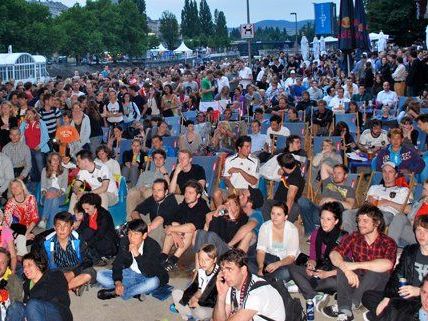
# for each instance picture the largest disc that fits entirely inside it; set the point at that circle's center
(423, 315)
(257, 217)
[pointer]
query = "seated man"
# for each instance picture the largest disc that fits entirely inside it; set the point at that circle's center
(13, 285)
(321, 119)
(337, 103)
(63, 250)
(19, 153)
(334, 189)
(386, 96)
(276, 129)
(143, 189)
(6, 176)
(185, 171)
(385, 305)
(374, 138)
(390, 199)
(93, 177)
(191, 217)
(261, 303)
(257, 138)
(157, 143)
(137, 268)
(162, 208)
(372, 256)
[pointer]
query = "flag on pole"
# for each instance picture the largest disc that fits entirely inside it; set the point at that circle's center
(360, 27)
(346, 34)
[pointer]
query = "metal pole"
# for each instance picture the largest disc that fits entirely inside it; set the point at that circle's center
(249, 40)
(295, 17)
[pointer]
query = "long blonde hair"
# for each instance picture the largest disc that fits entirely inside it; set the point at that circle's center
(24, 187)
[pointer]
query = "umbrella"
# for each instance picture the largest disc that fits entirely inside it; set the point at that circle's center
(360, 27)
(381, 44)
(346, 30)
(322, 44)
(304, 47)
(316, 48)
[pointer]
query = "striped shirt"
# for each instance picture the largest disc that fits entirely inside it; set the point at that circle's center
(65, 258)
(50, 118)
(20, 155)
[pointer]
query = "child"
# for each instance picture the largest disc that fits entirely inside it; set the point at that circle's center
(66, 135)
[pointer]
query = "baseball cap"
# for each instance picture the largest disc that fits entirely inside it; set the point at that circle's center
(292, 72)
(389, 164)
(256, 197)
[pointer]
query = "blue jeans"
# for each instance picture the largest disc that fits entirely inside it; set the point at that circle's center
(424, 174)
(37, 164)
(281, 273)
(310, 215)
(51, 207)
(133, 282)
(34, 310)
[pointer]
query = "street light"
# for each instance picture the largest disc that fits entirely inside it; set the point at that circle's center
(295, 16)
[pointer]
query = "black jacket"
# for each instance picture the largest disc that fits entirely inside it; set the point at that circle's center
(416, 75)
(127, 157)
(104, 240)
(53, 288)
(208, 297)
(404, 269)
(149, 263)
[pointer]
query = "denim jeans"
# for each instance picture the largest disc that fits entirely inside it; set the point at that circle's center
(133, 282)
(34, 310)
(37, 164)
(281, 273)
(50, 209)
(424, 174)
(310, 215)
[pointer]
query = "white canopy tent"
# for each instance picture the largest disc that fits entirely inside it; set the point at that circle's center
(304, 47)
(330, 39)
(159, 48)
(183, 49)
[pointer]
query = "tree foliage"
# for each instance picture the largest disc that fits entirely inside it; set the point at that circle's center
(169, 29)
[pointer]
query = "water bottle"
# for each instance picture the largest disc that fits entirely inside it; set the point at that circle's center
(310, 310)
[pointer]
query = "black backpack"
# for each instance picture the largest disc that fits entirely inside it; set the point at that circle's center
(293, 307)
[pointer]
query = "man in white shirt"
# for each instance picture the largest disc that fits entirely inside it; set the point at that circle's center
(349, 84)
(374, 138)
(338, 103)
(314, 92)
(257, 139)
(222, 80)
(386, 96)
(275, 129)
(97, 178)
(261, 303)
(330, 95)
(241, 170)
(290, 81)
(114, 109)
(245, 75)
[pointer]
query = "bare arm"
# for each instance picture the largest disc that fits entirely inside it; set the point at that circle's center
(103, 188)
(242, 232)
(182, 228)
(291, 196)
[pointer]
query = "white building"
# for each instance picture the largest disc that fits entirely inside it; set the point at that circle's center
(23, 67)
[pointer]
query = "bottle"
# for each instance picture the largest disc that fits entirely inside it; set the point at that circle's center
(310, 310)
(402, 282)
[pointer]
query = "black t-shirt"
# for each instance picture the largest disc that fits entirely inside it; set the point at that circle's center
(167, 209)
(225, 228)
(421, 269)
(294, 178)
(196, 172)
(140, 101)
(194, 215)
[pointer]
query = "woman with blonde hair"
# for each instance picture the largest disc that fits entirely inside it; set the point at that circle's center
(7, 121)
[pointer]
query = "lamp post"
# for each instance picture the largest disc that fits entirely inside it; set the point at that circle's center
(295, 17)
(249, 40)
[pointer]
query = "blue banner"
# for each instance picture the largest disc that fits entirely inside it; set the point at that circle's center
(324, 18)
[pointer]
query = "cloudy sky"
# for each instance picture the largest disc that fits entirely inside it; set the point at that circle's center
(235, 10)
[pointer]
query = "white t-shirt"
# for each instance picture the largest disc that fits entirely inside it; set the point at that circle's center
(114, 108)
(289, 245)
(134, 266)
(222, 82)
(338, 104)
(204, 278)
(245, 73)
(250, 165)
(95, 178)
(266, 300)
(284, 131)
(367, 139)
(394, 194)
(387, 98)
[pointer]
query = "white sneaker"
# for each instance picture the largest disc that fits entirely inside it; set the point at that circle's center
(318, 300)
(292, 287)
(42, 224)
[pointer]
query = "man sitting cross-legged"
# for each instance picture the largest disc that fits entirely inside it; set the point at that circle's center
(372, 256)
(137, 268)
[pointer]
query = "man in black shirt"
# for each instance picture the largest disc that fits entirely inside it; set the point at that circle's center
(290, 187)
(191, 217)
(161, 207)
(185, 171)
(321, 119)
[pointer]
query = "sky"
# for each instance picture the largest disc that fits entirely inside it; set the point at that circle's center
(235, 10)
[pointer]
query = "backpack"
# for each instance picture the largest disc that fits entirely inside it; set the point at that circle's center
(293, 307)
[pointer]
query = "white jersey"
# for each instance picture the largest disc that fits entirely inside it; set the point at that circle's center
(95, 178)
(368, 140)
(249, 165)
(396, 194)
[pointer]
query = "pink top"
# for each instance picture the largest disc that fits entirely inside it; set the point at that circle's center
(5, 237)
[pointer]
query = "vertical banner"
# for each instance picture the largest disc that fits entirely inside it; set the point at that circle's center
(325, 16)
(346, 21)
(360, 27)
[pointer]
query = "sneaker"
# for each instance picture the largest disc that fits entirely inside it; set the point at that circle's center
(319, 299)
(345, 317)
(332, 311)
(173, 309)
(292, 287)
(171, 266)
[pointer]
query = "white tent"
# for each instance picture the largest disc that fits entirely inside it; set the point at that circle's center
(330, 39)
(159, 48)
(322, 44)
(316, 48)
(304, 47)
(183, 49)
(381, 44)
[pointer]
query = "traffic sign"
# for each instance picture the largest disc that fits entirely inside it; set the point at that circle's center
(247, 31)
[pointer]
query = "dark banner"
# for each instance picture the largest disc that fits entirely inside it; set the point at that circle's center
(360, 27)
(325, 18)
(346, 19)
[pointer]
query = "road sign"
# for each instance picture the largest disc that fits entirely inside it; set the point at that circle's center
(247, 31)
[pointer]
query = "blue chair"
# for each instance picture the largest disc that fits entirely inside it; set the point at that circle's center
(172, 120)
(125, 144)
(264, 128)
(280, 142)
(353, 180)
(417, 191)
(191, 114)
(424, 110)
(171, 141)
(175, 129)
(350, 119)
(317, 146)
(209, 164)
(296, 128)
(169, 164)
(118, 211)
(422, 143)
(375, 178)
(401, 101)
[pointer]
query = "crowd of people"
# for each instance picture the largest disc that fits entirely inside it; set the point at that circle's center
(236, 168)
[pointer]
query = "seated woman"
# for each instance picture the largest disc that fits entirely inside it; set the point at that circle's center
(97, 228)
(409, 132)
(221, 226)
(114, 141)
(137, 268)
(8, 244)
(199, 299)
(21, 214)
(319, 274)
(191, 139)
(162, 129)
(277, 246)
(324, 161)
(133, 160)
(353, 108)
(348, 143)
(53, 185)
(45, 294)
(65, 251)
(105, 156)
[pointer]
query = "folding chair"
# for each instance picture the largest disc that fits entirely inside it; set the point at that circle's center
(172, 120)
(351, 120)
(125, 144)
(296, 128)
(175, 129)
(318, 140)
(171, 141)
(189, 114)
(118, 211)
(209, 163)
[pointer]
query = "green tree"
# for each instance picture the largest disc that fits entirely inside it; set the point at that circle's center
(221, 32)
(206, 22)
(141, 5)
(196, 23)
(397, 18)
(186, 20)
(169, 29)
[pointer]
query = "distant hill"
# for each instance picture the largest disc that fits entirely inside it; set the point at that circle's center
(290, 26)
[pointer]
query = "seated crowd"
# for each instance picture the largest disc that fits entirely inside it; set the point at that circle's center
(121, 178)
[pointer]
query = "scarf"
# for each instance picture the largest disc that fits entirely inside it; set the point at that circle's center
(329, 239)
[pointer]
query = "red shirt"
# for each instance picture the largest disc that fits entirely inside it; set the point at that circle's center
(423, 210)
(32, 134)
(383, 247)
(93, 221)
